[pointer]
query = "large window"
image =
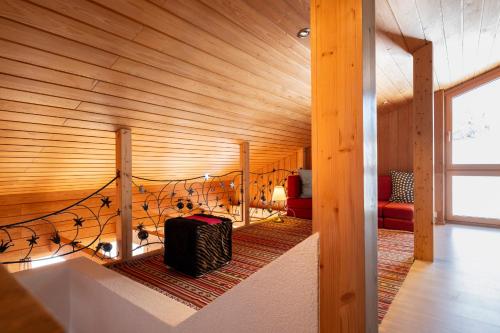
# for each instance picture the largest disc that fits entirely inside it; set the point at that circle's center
(473, 151)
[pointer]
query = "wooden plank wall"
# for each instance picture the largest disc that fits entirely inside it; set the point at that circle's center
(395, 139)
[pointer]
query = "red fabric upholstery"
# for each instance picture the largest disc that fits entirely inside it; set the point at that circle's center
(397, 210)
(305, 203)
(301, 213)
(297, 206)
(380, 222)
(381, 205)
(208, 220)
(294, 186)
(392, 215)
(384, 188)
(398, 224)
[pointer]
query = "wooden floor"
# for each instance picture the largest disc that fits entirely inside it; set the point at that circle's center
(459, 292)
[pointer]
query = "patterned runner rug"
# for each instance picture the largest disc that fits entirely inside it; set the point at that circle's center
(253, 248)
(395, 257)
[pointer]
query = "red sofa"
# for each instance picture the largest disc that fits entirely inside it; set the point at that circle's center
(297, 206)
(392, 215)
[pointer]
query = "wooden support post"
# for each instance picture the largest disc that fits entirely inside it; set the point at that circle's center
(301, 158)
(344, 162)
(124, 193)
(245, 181)
(439, 158)
(423, 154)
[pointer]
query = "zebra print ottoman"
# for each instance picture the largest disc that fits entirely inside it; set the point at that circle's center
(198, 244)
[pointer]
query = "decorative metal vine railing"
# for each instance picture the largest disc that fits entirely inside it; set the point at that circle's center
(61, 242)
(159, 199)
(262, 185)
(165, 198)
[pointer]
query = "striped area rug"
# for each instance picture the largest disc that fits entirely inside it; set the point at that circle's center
(253, 248)
(395, 257)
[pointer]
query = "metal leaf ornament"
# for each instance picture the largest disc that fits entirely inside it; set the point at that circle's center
(74, 244)
(56, 239)
(145, 206)
(33, 240)
(105, 202)
(107, 247)
(180, 204)
(142, 234)
(78, 221)
(5, 245)
(190, 191)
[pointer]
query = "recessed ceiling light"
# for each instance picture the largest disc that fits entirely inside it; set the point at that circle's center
(304, 33)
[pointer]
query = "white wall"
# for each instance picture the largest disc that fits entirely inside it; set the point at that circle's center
(86, 297)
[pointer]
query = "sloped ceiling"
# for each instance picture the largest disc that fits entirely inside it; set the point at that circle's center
(192, 79)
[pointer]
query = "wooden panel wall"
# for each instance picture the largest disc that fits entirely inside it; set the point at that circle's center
(395, 138)
(190, 78)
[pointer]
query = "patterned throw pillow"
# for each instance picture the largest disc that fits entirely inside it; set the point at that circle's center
(402, 186)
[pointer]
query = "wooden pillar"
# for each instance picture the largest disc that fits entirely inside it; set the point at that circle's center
(423, 154)
(439, 159)
(301, 158)
(245, 181)
(124, 192)
(344, 162)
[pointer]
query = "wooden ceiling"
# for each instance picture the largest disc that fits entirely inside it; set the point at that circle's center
(465, 36)
(192, 79)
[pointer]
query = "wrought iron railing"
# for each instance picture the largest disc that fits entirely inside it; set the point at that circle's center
(262, 185)
(19, 239)
(164, 198)
(155, 200)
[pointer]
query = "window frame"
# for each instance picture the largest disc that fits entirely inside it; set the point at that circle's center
(465, 169)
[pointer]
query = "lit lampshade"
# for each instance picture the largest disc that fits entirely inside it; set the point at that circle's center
(279, 194)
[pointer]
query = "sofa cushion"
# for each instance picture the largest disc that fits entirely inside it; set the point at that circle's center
(402, 186)
(306, 179)
(398, 210)
(384, 188)
(398, 224)
(294, 186)
(380, 222)
(301, 213)
(381, 205)
(302, 203)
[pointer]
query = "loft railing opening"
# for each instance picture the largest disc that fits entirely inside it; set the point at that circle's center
(80, 227)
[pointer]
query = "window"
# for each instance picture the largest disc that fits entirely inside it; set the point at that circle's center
(473, 151)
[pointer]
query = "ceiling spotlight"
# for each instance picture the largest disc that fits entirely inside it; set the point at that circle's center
(304, 33)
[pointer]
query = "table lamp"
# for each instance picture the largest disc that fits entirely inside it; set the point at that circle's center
(279, 194)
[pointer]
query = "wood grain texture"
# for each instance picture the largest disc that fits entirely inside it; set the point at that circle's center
(423, 158)
(20, 311)
(395, 138)
(344, 162)
(439, 157)
(124, 193)
(245, 181)
(192, 75)
(427, 301)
